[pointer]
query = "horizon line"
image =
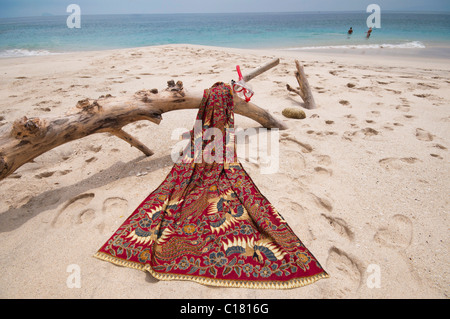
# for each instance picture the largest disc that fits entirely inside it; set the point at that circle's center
(47, 14)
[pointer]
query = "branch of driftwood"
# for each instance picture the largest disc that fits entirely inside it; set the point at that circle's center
(304, 89)
(27, 138)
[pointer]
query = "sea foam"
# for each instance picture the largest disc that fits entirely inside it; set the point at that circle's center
(23, 53)
(407, 45)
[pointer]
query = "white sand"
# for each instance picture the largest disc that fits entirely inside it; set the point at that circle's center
(371, 194)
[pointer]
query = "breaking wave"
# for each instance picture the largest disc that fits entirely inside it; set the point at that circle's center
(407, 45)
(23, 53)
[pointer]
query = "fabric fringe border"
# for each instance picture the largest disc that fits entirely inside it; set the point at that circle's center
(293, 283)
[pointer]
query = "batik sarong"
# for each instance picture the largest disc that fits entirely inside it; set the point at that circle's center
(208, 222)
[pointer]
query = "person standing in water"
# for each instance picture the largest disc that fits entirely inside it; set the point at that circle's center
(350, 31)
(368, 33)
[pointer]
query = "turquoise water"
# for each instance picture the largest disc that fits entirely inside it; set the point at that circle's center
(304, 31)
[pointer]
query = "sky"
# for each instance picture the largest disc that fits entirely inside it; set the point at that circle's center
(23, 8)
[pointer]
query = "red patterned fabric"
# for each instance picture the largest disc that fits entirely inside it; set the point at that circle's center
(209, 223)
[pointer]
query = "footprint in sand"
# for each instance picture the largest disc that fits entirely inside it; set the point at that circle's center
(292, 168)
(436, 156)
(439, 146)
(343, 270)
(43, 109)
(368, 131)
(306, 148)
(424, 95)
(113, 210)
(74, 211)
(296, 216)
(322, 202)
(44, 175)
(79, 210)
(340, 226)
(396, 234)
(114, 205)
(103, 89)
(51, 173)
(397, 163)
(85, 216)
(324, 133)
(323, 171)
(94, 148)
(423, 135)
(350, 117)
(394, 91)
(91, 159)
(344, 102)
(320, 175)
(46, 102)
(323, 159)
(428, 86)
(403, 107)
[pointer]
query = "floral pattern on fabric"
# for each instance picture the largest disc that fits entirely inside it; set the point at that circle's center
(208, 222)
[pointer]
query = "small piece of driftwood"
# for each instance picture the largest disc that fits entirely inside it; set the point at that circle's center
(27, 138)
(304, 89)
(261, 69)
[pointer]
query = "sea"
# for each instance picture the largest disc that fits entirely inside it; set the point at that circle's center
(425, 33)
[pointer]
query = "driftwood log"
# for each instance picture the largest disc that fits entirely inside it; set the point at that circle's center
(253, 74)
(27, 138)
(304, 89)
